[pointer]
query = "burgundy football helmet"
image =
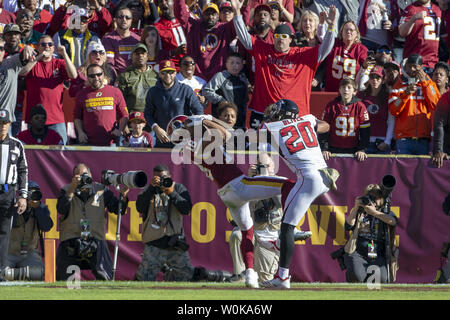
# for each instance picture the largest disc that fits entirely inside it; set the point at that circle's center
(175, 124)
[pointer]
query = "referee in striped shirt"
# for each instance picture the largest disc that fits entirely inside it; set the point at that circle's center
(13, 178)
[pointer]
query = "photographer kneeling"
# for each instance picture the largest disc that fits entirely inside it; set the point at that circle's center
(163, 205)
(24, 261)
(82, 207)
(367, 245)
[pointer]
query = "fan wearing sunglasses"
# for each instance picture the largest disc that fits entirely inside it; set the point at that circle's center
(45, 77)
(119, 43)
(97, 108)
(282, 71)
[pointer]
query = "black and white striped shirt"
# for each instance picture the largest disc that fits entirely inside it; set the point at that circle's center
(13, 165)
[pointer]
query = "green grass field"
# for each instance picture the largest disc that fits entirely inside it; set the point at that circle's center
(128, 290)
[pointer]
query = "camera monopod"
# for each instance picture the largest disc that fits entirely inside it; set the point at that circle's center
(116, 244)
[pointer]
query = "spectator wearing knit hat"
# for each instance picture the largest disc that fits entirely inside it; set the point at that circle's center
(39, 133)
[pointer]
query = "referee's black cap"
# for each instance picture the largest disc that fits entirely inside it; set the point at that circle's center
(4, 116)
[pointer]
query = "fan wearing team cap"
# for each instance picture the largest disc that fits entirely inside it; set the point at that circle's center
(280, 70)
(167, 99)
(208, 40)
(138, 138)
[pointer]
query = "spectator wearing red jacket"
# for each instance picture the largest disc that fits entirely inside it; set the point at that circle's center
(171, 32)
(100, 21)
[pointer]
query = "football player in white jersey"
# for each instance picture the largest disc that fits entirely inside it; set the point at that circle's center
(297, 142)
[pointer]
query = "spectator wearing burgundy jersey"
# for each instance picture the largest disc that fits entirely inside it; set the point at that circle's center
(41, 17)
(375, 98)
(100, 114)
(346, 58)
(39, 133)
(208, 39)
(349, 124)
(420, 28)
(119, 43)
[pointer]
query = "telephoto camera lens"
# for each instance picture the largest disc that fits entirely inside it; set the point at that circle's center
(24, 273)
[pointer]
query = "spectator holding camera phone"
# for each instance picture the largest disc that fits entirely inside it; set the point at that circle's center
(27, 229)
(367, 244)
(82, 207)
(413, 98)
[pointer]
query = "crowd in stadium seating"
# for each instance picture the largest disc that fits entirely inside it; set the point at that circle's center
(162, 58)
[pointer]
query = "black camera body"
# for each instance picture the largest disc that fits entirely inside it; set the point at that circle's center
(263, 213)
(367, 199)
(85, 179)
(178, 241)
(165, 182)
(35, 195)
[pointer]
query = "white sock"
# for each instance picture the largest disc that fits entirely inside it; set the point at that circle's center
(283, 273)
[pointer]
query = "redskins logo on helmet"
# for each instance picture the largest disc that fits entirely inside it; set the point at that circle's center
(175, 124)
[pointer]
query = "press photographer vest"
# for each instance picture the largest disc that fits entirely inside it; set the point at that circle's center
(176, 218)
(95, 209)
(26, 231)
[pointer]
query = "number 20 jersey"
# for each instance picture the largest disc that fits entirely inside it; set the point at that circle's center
(298, 142)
